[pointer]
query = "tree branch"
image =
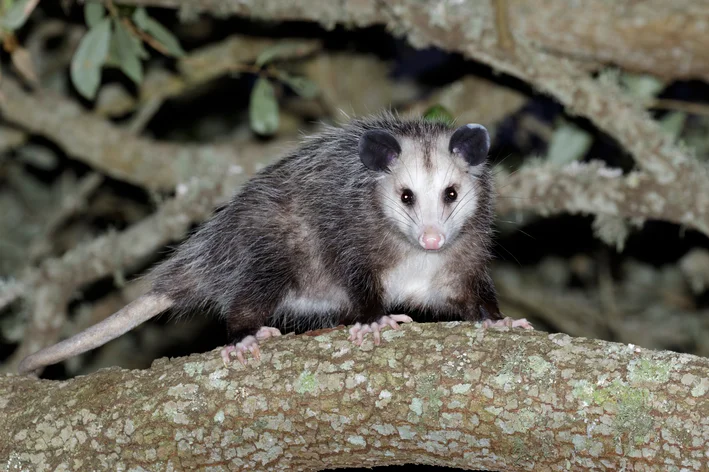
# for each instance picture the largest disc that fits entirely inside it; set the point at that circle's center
(656, 37)
(472, 399)
(113, 150)
(595, 189)
(205, 64)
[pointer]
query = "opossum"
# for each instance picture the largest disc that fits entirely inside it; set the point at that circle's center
(363, 224)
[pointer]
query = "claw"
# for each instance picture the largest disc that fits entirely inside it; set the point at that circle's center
(250, 344)
(376, 333)
(508, 323)
(358, 331)
(225, 352)
(240, 356)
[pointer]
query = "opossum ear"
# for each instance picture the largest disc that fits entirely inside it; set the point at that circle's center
(378, 149)
(471, 142)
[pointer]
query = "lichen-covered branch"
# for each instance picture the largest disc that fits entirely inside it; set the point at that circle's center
(597, 190)
(445, 394)
(48, 313)
(111, 149)
(653, 36)
(228, 55)
(69, 206)
(583, 312)
(474, 100)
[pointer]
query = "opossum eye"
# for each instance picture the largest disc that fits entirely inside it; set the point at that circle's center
(407, 197)
(450, 195)
(471, 142)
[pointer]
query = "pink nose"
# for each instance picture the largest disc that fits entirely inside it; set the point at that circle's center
(432, 240)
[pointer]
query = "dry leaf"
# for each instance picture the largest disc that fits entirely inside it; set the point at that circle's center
(22, 60)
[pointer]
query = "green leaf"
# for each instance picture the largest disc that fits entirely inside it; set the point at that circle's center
(125, 53)
(438, 113)
(94, 12)
(140, 18)
(303, 86)
(138, 47)
(158, 31)
(263, 108)
(89, 58)
(673, 123)
(17, 14)
(136, 43)
(568, 144)
(641, 85)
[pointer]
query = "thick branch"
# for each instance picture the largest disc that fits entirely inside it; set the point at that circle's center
(110, 149)
(595, 189)
(470, 399)
(653, 36)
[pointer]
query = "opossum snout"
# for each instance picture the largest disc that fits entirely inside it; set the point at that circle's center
(432, 238)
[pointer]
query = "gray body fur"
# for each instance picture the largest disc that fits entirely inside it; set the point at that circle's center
(309, 242)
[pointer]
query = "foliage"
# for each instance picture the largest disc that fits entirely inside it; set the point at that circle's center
(439, 113)
(115, 39)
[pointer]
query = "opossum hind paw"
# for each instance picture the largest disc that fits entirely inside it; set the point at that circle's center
(248, 344)
(508, 323)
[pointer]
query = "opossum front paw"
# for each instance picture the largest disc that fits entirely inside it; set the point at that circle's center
(358, 331)
(508, 323)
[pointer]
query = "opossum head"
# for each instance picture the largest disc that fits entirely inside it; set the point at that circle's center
(428, 185)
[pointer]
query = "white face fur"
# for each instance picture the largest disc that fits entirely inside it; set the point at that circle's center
(429, 200)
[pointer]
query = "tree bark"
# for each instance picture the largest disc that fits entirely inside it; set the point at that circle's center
(447, 393)
(667, 39)
(115, 151)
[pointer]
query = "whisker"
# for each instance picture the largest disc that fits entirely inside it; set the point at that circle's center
(517, 229)
(508, 252)
(445, 179)
(503, 160)
(510, 175)
(401, 184)
(394, 206)
(459, 205)
(412, 182)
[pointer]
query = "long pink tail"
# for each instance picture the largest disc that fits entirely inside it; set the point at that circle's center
(137, 312)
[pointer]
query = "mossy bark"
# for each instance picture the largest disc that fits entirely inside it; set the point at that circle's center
(448, 394)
